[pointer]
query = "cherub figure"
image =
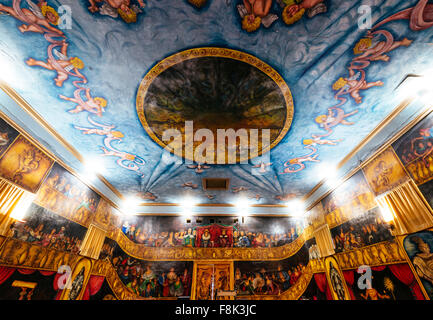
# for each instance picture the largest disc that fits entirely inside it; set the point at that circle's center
(352, 85)
(36, 18)
(262, 166)
(334, 117)
(239, 189)
(64, 65)
(94, 105)
(102, 130)
(367, 49)
(294, 11)
(318, 140)
(256, 12)
(190, 185)
(28, 161)
(199, 168)
(297, 164)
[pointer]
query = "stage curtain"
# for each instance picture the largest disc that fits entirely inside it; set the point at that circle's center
(10, 195)
(403, 273)
(26, 271)
(349, 276)
(322, 284)
(324, 241)
(378, 268)
(47, 273)
(5, 273)
(93, 242)
(93, 286)
(409, 208)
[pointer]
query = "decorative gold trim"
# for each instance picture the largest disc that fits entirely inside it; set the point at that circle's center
(221, 53)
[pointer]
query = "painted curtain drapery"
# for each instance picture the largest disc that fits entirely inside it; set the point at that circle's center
(410, 210)
(10, 196)
(93, 286)
(322, 284)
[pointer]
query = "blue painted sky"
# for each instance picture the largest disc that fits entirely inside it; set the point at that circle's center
(310, 55)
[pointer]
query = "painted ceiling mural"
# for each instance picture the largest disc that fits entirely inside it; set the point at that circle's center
(303, 68)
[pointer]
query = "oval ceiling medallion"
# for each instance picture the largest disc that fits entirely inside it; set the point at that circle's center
(215, 88)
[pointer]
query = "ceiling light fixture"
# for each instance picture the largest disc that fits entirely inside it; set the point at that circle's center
(243, 206)
(296, 208)
(187, 204)
(130, 205)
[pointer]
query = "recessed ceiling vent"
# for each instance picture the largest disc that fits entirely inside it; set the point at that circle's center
(216, 183)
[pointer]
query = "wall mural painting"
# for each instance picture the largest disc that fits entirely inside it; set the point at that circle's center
(392, 282)
(42, 227)
(107, 249)
(151, 279)
(269, 277)
(212, 232)
(28, 284)
(67, 196)
(385, 172)
(197, 85)
(415, 152)
(364, 230)
(352, 198)
(25, 165)
(419, 248)
(414, 149)
(7, 135)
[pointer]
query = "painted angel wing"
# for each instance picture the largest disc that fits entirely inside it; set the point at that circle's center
(59, 55)
(35, 9)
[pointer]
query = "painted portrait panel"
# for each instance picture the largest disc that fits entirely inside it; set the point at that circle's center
(42, 227)
(363, 230)
(67, 196)
(25, 165)
(419, 248)
(415, 148)
(7, 135)
(352, 198)
(385, 172)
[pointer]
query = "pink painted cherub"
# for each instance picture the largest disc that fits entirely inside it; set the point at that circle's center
(94, 105)
(64, 65)
(36, 18)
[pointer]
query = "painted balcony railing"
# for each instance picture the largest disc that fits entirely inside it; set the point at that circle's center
(143, 252)
(18, 253)
(382, 253)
